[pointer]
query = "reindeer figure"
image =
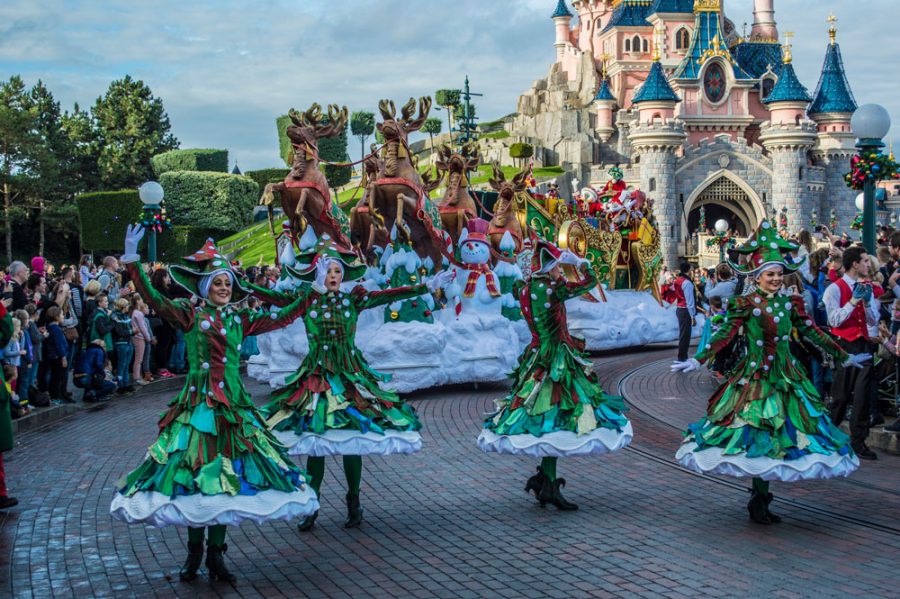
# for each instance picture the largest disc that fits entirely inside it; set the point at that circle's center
(399, 194)
(305, 197)
(363, 233)
(457, 206)
(505, 218)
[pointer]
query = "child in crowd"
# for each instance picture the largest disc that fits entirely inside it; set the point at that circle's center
(27, 360)
(56, 355)
(122, 334)
(142, 340)
(90, 373)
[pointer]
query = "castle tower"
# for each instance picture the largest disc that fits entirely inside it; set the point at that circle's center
(604, 105)
(789, 136)
(832, 107)
(656, 139)
(561, 17)
(764, 26)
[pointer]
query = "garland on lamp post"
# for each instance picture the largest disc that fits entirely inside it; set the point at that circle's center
(857, 223)
(872, 165)
(832, 221)
(155, 220)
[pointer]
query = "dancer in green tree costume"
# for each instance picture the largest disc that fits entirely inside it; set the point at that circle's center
(333, 404)
(556, 406)
(767, 421)
(214, 462)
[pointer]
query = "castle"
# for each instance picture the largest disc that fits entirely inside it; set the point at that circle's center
(696, 113)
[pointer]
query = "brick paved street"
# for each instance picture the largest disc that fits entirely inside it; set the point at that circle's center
(455, 522)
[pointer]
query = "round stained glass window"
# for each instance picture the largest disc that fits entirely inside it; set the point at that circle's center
(714, 83)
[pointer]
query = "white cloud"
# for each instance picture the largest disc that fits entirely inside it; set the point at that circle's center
(226, 69)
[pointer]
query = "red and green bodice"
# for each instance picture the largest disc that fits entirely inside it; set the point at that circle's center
(543, 302)
(334, 387)
(768, 322)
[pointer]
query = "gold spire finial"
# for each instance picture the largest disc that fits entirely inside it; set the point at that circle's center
(657, 42)
(604, 60)
(707, 5)
(788, 55)
(832, 28)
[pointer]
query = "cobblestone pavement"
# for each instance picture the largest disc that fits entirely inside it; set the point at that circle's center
(452, 521)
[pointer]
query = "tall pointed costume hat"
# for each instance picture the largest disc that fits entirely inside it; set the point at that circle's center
(545, 256)
(326, 248)
(206, 262)
(765, 249)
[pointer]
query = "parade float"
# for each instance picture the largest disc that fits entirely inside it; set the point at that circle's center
(471, 332)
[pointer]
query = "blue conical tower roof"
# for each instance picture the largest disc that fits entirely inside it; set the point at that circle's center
(672, 6)
(833, 92)
(707, 41)
(656, 87)
(562, 10)
(604, 93)
(788, 88)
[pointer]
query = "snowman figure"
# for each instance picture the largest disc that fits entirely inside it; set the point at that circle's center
(476, 287)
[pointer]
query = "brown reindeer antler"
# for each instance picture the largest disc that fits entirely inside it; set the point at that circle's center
(337, 121)
(518, 180)
(470, 156)
(498, 179)
(424, 109)
(387, 109)
(407, 111)
(296, 117)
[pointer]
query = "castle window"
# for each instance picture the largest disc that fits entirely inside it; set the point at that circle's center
(628, 45)
(801, 173)
(682, 39)
(715, 82)
(768, 84)
(598, 24)
(652, 183)
(645, 47)
(636, 44)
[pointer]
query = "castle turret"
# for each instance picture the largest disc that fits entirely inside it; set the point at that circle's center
(764, 26)
(604, 106)
(789, 136)
(832, 107)
(656, 99)
(561, 17)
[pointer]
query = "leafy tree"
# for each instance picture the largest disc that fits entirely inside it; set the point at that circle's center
(449, 100)
(19, 142)
(84, 172)
(131, 126)
(379, 138)
(432, 126)
(362, 125)
(521, 151)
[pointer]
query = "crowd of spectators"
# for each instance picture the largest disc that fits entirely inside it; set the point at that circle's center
(84, 327)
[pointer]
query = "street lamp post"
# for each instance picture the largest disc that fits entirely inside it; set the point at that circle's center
(151, 193)
(721, 229)
(870, 123)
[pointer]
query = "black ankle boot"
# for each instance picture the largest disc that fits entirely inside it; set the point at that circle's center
(354, 512)
(192, 563)
(558, 500)
(307, 523)
(757, 507)
(536, 483)
(772, 517)
(215, 563)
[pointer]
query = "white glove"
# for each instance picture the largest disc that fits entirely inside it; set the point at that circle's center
(686, 366)
(440, 280)
(321, 273)
(133, 236)
(568, 257)
(857, 360)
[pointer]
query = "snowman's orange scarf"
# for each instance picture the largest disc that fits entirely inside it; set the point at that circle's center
(475, 273)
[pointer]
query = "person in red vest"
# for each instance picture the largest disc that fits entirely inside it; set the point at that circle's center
(686, 308)
(851, 308)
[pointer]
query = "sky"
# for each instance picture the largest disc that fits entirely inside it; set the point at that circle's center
(226, 69)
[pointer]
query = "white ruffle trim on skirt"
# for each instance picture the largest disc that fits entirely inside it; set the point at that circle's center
(810, 466)
(156, 509)
(350, 442)
(560, 444)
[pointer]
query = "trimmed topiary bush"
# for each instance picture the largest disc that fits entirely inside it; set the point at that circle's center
(211, 200)
(215, 161)
(521, 150)
(103, 216)
(268, 175)
(182, 240)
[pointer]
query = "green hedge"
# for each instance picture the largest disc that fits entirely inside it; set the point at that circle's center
(182, 240)
(284, 142)
(206, 160)
(268, 175)
(521, 150)
(103, 217)
(210, 200)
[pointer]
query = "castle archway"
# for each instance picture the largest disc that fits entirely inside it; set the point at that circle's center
(724, 195)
